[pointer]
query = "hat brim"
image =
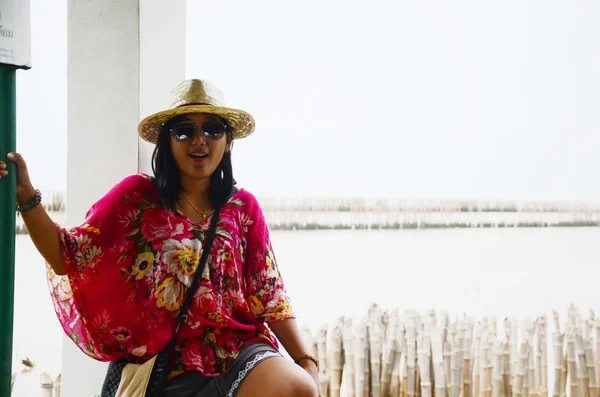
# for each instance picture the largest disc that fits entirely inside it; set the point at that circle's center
(242, 123)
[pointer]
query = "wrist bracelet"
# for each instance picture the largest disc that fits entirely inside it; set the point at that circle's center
(32, 203)
(307, 357)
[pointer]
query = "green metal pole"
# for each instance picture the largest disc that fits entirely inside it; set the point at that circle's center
(8, 143)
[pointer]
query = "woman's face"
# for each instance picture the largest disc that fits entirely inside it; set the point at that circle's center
(198, 142)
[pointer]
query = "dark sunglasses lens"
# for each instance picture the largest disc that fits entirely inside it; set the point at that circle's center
(213, 130)
(183, 132)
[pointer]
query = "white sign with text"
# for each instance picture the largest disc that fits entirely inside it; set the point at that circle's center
(15, 33)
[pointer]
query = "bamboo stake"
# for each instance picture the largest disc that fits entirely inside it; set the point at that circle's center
(498, 368)
(514, 347)
(464, 358)
(539, 356)
(589, 326)
(349, 357)
(367, 369)
(439, 374)
(376, 337)
(455, 364)
(590, 360)
(559, 358)
(525, 390)
(532, 380)
(57, 386)
(529, 388)
(558, 339)
(335, 358)
(418, 380)
(404, 385)
(484, 360)
(494, 327)
(46, 384)
(521, 370)
(322, 354)
(419, 326)
(360, 358)
(506, 359)
(444, 326)
(447, 352)
(477, 363)
(506, 385)
(577, 325)
(467, 359)
(396, 373)
(597, 326)
(395, 383)
(582, 367)
(460, 339)
(424, 358)
(389, 353)
(572, 362)
(490, 364)
(411, 358)
(591, 365)
(543, 347)
(565, 373)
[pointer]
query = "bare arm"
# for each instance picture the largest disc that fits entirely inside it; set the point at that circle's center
(41, 228)
(44, 234)
(288, 333)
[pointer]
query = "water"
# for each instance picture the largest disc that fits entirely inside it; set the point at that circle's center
(480, 272)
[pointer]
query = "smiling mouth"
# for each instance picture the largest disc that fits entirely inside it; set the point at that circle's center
(198, 156)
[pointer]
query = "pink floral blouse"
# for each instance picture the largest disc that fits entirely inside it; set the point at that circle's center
(129, 267)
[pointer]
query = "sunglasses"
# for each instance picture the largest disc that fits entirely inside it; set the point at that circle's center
(184, 132)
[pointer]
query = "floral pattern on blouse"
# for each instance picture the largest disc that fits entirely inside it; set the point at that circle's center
(129, 267)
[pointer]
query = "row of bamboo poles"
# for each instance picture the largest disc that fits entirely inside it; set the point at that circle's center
(347, 204)
(386, 354)
(389, 214)
(56, 202)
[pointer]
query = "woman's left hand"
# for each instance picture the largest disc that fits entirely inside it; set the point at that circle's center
(312, 369)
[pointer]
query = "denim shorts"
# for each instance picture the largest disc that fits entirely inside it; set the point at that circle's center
(193, 384)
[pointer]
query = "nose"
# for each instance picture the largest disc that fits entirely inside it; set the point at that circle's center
(199, 138)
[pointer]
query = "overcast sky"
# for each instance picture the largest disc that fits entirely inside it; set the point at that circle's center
(436, 99)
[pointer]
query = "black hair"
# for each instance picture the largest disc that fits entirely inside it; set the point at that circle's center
(166, 171)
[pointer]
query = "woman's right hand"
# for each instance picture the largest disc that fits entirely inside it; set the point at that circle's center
(25, 190)
(41, 228)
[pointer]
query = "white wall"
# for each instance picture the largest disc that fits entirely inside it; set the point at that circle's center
(124, 57)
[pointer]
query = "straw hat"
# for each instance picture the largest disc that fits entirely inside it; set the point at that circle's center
(197, 96)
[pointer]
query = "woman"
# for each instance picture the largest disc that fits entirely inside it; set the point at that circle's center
(119, 279)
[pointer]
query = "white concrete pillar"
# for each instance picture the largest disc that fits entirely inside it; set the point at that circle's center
(103, 88)
(162, 60)
(124, 57)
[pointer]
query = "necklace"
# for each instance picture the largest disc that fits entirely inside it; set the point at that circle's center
(203, 213)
